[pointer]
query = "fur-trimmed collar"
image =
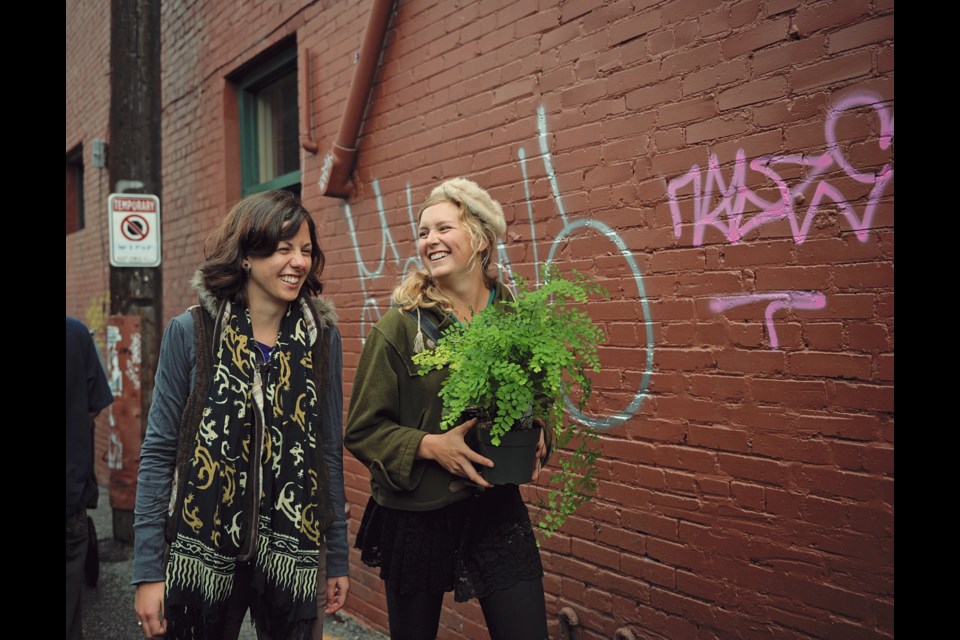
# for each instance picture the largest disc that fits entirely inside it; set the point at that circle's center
(326, 313)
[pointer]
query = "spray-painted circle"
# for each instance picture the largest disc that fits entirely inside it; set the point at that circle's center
(865, 99)
(618, 419)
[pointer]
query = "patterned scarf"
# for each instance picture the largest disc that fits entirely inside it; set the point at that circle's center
(251, 491)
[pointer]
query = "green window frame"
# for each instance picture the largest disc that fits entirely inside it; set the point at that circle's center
(271, 79)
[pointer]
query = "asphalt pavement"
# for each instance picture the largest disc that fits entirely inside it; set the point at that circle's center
(108, 607)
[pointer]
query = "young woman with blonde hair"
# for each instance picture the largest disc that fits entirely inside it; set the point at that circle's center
(433, 524)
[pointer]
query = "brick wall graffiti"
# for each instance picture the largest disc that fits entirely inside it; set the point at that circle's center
(723, 205)
(716, 203)
(372, 307)
(735, 197)
(775, 302)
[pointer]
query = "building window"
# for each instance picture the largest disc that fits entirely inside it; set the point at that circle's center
(75, 189)
(269, 125)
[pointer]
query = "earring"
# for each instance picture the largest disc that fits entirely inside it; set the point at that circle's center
(246, 269)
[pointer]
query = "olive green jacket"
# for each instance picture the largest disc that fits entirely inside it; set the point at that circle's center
(392, 408)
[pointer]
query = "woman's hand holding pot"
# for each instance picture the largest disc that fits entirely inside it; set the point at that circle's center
(540, 453)
(451, 452)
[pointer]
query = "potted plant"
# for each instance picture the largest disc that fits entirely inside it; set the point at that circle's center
(512, 366)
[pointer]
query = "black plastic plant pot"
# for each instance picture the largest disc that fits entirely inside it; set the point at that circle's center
(513, 459)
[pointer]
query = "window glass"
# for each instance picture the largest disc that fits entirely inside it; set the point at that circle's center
(276, 106)
(269, 124)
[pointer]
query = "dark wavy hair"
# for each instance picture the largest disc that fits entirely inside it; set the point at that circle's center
(254, 227)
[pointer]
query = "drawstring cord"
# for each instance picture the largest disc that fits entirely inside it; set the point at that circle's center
(418, 340)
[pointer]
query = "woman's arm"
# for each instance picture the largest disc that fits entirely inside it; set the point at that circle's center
(331, 425)
(158, 456)
(374, 433)
(158, 453)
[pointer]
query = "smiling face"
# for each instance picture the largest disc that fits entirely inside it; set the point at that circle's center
(444, 243)
(276, 279)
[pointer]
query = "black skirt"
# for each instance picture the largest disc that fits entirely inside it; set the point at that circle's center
(473, 547)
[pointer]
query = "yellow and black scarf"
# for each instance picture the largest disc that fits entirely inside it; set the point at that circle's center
(251, 491)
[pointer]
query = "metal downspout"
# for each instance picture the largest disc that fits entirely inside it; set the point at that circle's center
(335, 177)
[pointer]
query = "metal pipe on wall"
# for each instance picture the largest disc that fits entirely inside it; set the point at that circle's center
(335, 178)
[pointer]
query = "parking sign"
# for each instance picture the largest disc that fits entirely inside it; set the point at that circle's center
(134, 230)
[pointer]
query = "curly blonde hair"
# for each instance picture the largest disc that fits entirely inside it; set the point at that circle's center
(482, 217)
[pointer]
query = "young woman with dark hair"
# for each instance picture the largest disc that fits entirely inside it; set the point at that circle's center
(241, 469)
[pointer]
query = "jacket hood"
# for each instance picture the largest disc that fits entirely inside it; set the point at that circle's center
(326, 314)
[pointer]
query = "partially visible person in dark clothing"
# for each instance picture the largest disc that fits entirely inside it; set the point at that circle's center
(87, 395)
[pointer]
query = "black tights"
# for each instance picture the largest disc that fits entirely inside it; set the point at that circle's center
(517, 613)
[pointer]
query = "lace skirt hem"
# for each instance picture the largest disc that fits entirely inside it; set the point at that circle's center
(472, 547)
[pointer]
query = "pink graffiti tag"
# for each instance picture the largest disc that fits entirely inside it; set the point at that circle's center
(777, 300)
(734, 196)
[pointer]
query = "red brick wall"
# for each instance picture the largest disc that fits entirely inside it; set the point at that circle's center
(88, 111)
(726, 169)
(750, 493)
